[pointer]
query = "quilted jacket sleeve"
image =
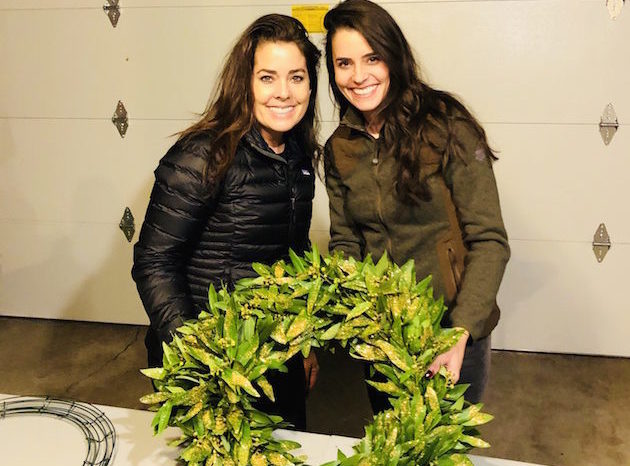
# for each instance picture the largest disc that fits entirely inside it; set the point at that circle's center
(178, 209)
(343, 234)
(474, 190)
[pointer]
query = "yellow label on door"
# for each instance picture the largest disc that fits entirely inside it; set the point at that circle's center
(311, 16)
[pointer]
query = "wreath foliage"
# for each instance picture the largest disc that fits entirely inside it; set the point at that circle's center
(214, 369)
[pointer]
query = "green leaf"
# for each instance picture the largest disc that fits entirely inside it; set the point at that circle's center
(367, 352)
(212, 296)
(297, 262)
(170, 358)
(331, 332)
(388, 387)
(474, 441)
(454, 460)
(457, 405)
(479, 419)
(315, 257)
(247, 350)
(163, 415)
(358, 310)
(261, 269)
(297, 327)
(382, 265)
(456, 392)
(313, 295)
(156, 373)
(153, 398)
(236, 379)
(396, 356)
(266, 388)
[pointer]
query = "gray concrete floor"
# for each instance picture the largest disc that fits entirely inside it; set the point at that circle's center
(549, 409)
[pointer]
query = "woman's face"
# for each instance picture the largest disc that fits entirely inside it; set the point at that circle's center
(360, 74)
(281, 88)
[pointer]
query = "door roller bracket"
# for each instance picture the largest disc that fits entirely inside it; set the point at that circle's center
(127, 224)
(608, 124)
(601, 242)
(113, 11)
(120, 119)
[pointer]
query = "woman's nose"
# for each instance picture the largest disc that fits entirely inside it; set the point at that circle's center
(359, 75)
(282, 89)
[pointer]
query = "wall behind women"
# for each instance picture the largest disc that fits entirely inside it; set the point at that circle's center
(537, 74)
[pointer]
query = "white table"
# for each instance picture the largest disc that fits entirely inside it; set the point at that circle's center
(35, 440)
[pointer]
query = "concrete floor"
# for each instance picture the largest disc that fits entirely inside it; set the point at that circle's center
(549, 409)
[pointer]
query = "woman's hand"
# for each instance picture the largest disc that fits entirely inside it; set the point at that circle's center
(311, 368)
(451, 359)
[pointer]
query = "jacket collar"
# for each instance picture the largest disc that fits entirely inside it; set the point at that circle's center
(258, 143)
(352, 118)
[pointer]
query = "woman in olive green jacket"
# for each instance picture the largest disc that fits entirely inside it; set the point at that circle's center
(409, 173)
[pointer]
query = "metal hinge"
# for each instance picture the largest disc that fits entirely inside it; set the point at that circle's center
(120, 119)
(614, 7)
(608, 124)
(601, 242)
(113, 11)
(127, 224)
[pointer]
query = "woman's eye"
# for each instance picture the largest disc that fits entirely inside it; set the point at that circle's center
(374, 59)
(298, 79)
(343, 63)
(265, 78)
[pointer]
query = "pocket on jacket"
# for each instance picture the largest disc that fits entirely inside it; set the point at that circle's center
(451, 276)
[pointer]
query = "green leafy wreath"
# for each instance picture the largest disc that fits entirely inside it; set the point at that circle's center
(215, 366)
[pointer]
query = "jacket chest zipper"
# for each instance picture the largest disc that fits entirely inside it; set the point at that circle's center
(379, 201)
(291, 231)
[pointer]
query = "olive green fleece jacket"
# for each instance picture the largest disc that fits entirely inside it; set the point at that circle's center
(367, 217)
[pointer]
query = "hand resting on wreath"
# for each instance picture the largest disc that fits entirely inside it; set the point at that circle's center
(451, 359)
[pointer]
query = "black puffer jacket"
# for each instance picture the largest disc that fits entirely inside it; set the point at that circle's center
(194, 235)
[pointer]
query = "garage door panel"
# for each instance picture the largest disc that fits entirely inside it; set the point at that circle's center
(517, 62)
(79, 171)
(162, 63)
(78, 271)
(559, 182)
(556, 297)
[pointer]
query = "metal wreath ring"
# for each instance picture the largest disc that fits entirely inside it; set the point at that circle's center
(97, 428)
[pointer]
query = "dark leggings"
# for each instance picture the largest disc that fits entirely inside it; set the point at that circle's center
(475, 371)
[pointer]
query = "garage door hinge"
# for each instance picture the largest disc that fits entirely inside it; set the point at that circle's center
(608, 124)
(601, 242)
(113, 11)
(120, 119)
(127, 224)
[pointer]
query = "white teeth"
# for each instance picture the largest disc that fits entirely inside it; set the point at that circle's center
(364, 90)
(281, 110)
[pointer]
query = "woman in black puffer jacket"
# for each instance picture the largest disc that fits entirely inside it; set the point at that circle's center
(236, 188)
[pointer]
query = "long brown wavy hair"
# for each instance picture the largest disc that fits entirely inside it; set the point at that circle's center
(229, 113)
(415, 114)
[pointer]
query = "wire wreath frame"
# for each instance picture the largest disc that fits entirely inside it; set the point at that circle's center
(97, 428)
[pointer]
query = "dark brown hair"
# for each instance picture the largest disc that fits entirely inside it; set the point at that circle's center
(415, 114)
(229, 114)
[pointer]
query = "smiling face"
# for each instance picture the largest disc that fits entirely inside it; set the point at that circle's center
(360, 74)
(281, 89)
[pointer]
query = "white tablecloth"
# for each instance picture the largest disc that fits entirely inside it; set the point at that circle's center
(40, 440)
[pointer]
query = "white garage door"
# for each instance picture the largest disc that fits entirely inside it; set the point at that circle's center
(538, 74)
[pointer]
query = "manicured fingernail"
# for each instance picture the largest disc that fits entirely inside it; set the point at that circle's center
(428, 375)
